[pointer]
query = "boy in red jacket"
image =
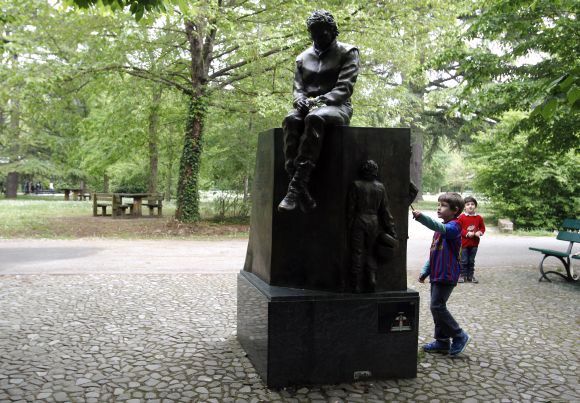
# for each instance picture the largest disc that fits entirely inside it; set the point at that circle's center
(472, 228)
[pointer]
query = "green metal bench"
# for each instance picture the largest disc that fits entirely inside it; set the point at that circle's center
(569, 232)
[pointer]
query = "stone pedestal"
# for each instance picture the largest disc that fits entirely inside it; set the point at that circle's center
(297, 320)
(300, 337)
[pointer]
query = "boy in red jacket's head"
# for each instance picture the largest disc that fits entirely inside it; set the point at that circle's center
(472, 229)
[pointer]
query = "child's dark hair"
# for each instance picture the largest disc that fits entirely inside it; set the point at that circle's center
(455, 201)
(470, 199)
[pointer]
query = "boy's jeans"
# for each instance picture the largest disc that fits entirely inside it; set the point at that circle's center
(445, 325)
(468, 261)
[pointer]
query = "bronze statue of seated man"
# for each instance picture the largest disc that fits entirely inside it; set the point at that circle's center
(324, 81)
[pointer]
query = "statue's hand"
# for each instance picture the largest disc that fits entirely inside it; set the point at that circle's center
(315, 103)
(303, 105)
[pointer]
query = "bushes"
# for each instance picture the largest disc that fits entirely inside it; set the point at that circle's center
(128, 178)
(533, 186)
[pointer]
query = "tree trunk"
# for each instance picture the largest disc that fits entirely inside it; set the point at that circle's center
(154, 139)
(246, 188)
(12, 185)
(417, 160)
(106, 183)
(168, 180)
(187, 185)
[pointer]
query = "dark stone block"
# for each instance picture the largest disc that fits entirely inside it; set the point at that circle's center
(294, 249)
(298, 337)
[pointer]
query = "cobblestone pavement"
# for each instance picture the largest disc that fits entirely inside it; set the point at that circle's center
(171, 338)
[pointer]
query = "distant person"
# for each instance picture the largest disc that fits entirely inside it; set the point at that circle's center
(51, 186)
(443, 269)
(473, 229)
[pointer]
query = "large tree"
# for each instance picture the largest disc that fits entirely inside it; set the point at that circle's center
(218, 44)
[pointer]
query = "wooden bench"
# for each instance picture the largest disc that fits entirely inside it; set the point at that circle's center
(104, 200)
(85, 196)
(569, 232)
(154, 201)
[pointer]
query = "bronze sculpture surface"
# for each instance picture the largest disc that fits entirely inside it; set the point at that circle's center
(324, 81)
(371, 226)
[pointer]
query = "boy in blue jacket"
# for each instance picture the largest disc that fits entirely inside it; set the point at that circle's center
(443, 268)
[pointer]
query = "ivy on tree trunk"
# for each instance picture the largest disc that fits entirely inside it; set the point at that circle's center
(187, 186)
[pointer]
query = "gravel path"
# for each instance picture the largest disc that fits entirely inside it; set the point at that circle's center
(117, 327)
(152, 338)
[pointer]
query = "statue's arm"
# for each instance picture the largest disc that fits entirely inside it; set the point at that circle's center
(344, 87)
(299, 94)
(385, 215)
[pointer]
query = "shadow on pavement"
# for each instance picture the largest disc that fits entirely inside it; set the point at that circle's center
(11, 256)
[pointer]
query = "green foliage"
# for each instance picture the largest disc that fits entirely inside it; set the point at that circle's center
(522, 55)
(85, 92)
(136, 7)
(128, 177)
(534, 188)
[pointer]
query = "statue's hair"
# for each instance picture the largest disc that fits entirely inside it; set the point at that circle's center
(455, 202)
(369, 169)
(322, 17)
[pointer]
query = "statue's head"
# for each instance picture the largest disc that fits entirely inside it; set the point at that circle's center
(322, 28)
(369, 170)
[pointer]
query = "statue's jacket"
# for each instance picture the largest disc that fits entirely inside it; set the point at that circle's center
(329, 74)
(368, 209)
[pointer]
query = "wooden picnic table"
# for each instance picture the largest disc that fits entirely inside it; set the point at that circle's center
(135, 207)
(118, 206)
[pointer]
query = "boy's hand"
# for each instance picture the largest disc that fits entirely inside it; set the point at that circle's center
(422, 279)
(416, 214)
(469, 234)
(478, 234)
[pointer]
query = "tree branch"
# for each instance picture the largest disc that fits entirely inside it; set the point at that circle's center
(246, 75)
(247, 61)
(141, 73)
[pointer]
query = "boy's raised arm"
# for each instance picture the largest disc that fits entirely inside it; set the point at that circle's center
(429, 222)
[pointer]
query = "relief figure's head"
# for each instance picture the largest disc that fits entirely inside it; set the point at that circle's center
(322, 28)
(369, 170)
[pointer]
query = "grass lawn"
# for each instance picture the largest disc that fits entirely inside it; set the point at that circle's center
(51, 217)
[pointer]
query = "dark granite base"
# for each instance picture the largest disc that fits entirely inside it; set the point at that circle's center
(299, 337)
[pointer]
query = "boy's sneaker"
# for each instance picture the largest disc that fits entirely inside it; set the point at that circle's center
(461, 279)
(437, 346)
(459, 343)
(472, 279)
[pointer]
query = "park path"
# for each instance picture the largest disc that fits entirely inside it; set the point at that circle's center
(104, 332)
(120, 256)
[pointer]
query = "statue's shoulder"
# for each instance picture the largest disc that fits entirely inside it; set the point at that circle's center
(307, 52)
(345, 47)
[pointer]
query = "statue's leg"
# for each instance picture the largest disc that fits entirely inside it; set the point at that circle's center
(293, 127)
(372, 231)
(315, 125)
